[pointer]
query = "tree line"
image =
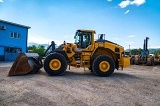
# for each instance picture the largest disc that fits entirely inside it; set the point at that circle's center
(157, 52)
(138, 51)
(36, 49)
(40, 49)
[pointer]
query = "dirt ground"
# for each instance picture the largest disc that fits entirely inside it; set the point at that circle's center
(134, 86)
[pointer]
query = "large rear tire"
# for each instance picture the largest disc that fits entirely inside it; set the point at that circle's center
(103, 66)
(55, 64)
(150, 61)
(132, 61)
(136, 61)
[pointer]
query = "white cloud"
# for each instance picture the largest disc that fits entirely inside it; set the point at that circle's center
(131, 36)
(138, 2)
(1, 0)
(126, 12)
(125, 3)
(109, 0)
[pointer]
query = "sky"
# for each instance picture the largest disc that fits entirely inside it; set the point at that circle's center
(125, 22)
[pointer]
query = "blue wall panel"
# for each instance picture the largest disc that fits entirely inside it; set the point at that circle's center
(1, 53)
(10, 56)
(1, 50)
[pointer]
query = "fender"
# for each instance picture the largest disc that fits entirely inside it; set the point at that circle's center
(105, 51)
(61, 51)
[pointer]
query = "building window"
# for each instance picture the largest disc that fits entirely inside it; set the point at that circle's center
(12, 35)
(12, 50)
(15, 35)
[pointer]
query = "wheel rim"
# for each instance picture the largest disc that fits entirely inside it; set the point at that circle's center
(104, 66)
(55, 64)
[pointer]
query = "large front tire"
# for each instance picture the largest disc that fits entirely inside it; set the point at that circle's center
(55, 64)
(103, 66)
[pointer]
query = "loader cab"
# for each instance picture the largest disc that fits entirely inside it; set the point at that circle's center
(83, 39)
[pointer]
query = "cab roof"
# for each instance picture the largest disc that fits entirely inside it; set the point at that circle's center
(81, 30)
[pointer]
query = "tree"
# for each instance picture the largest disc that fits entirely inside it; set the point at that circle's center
(136, 51)
(157, 52)
(40, 49)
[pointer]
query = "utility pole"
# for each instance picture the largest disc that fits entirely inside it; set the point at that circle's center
(129, 50)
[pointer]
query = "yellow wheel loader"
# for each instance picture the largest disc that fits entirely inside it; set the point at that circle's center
(100, 56)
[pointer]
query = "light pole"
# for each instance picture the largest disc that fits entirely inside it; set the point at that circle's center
(129, 50)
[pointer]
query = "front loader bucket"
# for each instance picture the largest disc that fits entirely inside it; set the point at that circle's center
(26, 63)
